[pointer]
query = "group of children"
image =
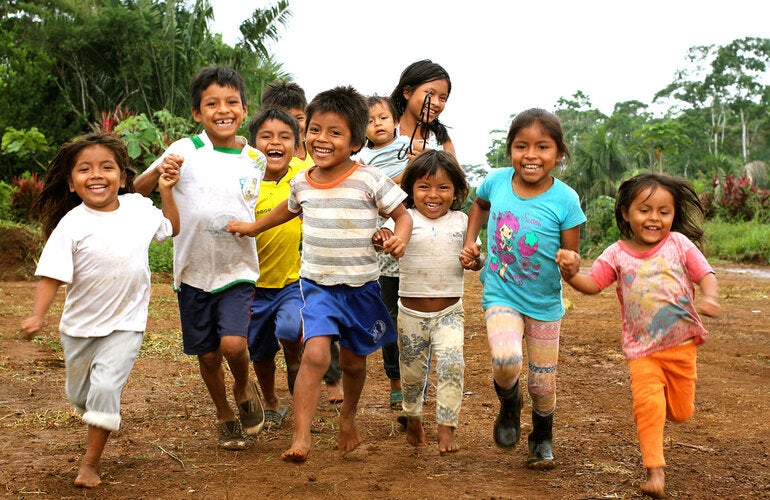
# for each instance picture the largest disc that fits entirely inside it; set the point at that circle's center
(356, 210)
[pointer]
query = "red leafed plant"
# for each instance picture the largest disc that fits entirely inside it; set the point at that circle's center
(28, 186)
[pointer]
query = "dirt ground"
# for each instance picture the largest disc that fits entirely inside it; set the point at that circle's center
(166, 448)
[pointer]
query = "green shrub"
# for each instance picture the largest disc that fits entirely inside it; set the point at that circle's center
(162, 256)
(600, 230)
(747, 242)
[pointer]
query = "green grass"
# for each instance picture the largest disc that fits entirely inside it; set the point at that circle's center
(741, 242)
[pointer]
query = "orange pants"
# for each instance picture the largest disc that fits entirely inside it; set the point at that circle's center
(663, 387)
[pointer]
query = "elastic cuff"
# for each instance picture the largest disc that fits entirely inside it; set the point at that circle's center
(106, 421)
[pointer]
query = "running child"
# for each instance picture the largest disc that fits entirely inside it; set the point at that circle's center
(431, 317)
(214, 274)
(98, 234)
(290, 97)
(655, 266)
(339, 200)
(533, 214)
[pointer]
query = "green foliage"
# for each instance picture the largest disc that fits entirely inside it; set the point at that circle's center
(68, 61)
(600, 230)
(736, 199)
(747, 242)
(29, 146)
(162, 256)
(6, 190)
(143, 139)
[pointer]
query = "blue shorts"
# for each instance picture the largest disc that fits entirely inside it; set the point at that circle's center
(354, 314)
(274, 315)
(207, 316)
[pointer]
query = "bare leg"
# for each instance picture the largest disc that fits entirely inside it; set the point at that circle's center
(88, 475)
(353, 378)
(213, 375)
(235, 350)
(415, 434)
(315, 362)
(265, 371)
(446, 439)
(655, 486)
(292, 354)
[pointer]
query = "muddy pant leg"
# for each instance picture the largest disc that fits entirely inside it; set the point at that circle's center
(414, 348)
(447, 342)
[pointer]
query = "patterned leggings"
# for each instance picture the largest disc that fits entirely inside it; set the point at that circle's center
(443, 332)
(506, 328)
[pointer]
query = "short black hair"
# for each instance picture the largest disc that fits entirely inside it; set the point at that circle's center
(349, 104)
(222, 76)
(272, 114)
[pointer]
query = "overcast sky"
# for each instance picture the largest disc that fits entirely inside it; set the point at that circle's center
(502, 56)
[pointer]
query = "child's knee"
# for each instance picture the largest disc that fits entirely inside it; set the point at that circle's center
(680, 413)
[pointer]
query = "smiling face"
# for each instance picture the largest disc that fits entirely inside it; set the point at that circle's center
(328, 138)
(439, 93)
(96, 178)
(221, 113)
(381, 127)
(433, 194)
(650, 216)
(276, 140)
(534, 153)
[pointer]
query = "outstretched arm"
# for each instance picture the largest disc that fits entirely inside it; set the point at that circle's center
(45, 293)
(277, 216)
(147, 180)
(395, 245)
(470, 255)
(569, 265)
(168, 203)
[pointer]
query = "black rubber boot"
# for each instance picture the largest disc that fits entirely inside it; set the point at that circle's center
(540, 449)
(508, 424)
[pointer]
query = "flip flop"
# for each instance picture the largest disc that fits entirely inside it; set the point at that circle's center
(274, 418)
(396, 399)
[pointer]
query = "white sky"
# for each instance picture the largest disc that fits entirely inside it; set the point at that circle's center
(503, 56)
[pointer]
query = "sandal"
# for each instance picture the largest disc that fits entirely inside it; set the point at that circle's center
(396, 399)
(274, 418)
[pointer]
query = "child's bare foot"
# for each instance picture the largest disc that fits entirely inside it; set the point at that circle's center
(415, 434)
(88, 476)
(336, 395)
(446, 440)
(298, 451)
(655, 485)
(348, 439)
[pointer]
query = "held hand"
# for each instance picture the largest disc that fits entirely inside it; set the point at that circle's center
(471, 258)
(170, 164)
(168, 178)
(394, 246)
(239, 228)
(569, 262)
(380, 237)
(31, 326)
(709, 306)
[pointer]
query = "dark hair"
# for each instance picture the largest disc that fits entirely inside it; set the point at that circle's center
(349, 104)
(222, 76)
(426, 164)
(272, 114)
(56, 199)
(281, 94)
(375, 99)
(549, 121)
(413, 76)
(688, 209)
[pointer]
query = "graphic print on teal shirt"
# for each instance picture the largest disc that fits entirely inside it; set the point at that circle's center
(513, 249)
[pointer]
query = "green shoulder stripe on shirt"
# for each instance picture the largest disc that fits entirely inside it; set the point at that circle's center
(231, 151)
(197, 141)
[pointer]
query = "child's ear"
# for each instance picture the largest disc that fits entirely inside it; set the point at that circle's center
(196, 114)
(123, 179)
(70, 184)
(407, 93)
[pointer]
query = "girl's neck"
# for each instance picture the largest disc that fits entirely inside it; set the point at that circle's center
(407, 125)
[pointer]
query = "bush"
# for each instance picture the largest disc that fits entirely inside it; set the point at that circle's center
(27, 188)
(747, 242)
(600, 228)
(736, 199)
(162, 256)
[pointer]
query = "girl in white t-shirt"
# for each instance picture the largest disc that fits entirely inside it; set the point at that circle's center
(430, 310)
(98, 233)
